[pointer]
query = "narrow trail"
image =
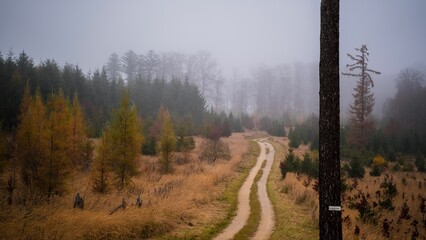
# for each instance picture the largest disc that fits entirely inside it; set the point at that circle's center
(267, 221)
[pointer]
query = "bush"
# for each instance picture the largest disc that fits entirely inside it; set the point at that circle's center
(149, 147)
(408, 167)
(292, 162)
(356, 169)
(389, 187)
(213, 150)
(376, 171)
(283, 169)
(396, 167)
(366, 212)
(378, 160)
(309, 165)
(420, 163)
(185, 144)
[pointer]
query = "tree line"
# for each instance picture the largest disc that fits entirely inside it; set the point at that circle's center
(49, 116)
(99, 92)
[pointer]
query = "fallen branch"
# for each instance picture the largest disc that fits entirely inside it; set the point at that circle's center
(122, 205)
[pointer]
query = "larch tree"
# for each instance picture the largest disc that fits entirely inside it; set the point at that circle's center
(155, 130)
(330, 214)
(31, 139)
(101, 167)
(361, 122)
(167, 143)
(59, 129)
(126, 140)
(78, 139)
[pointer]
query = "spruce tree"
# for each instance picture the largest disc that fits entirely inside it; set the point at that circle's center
(360, 119)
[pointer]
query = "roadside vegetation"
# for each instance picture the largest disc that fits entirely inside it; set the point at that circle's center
(294, 204)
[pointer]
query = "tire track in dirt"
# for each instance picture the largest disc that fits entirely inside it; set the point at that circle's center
(267, 219)
(267, 214)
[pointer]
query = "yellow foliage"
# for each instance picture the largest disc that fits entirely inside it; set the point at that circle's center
(378, 160)
(167, 142)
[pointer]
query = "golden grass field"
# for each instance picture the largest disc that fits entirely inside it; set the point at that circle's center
(407, 192)
(197, 200)
(409, 184)
(187, 203)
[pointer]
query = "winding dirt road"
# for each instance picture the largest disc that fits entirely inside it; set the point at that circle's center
(267, 220)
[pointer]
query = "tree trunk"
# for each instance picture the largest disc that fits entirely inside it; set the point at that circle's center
(329, 124)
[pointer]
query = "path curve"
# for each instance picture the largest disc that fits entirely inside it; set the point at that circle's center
(267, 222)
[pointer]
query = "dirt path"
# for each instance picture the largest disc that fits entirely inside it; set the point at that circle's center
(267, 220)
(267, 214)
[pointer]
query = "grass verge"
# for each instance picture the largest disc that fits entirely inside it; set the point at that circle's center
(293, 221)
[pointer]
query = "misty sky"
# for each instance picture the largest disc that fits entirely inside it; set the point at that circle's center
(239, 34)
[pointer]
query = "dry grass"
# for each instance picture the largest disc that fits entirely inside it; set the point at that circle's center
(407, 192)
(408, 185)
(295, 205)
(179, 205)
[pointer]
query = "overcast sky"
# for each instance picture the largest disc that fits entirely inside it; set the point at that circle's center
(240, 33)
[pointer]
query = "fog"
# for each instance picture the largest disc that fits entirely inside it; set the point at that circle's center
(262, 49)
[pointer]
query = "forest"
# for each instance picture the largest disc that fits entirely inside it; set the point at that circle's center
(212, 120)
(165, 113)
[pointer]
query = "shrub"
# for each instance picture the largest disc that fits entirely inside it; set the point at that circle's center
(366, 212)
(389, 192)
(376, 171)
(420, 163)
(283, 169)
(405, 212)
(356, 169)
(292, 162)
(213, 150)
(408, 167)
(378, 160)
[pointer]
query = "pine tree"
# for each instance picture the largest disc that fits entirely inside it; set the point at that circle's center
(167, 143)
(360, 119)
(126, 139)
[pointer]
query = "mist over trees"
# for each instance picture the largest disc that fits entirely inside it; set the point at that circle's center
(187, 85)
(405, 114)
(286, 91)
(271, 98)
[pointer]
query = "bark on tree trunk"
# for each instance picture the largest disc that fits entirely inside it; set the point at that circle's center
(329, 123)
